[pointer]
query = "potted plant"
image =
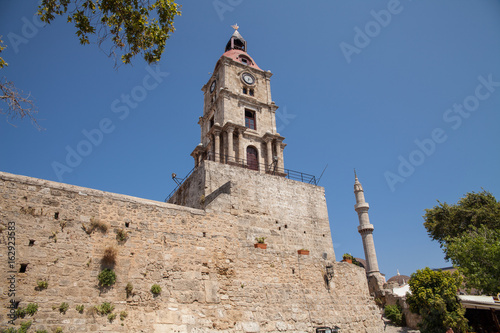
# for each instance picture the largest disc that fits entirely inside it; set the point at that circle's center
(303, 252)
(260, 243)
(347, 257)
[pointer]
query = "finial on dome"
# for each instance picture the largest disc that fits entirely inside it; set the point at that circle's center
(235, 27)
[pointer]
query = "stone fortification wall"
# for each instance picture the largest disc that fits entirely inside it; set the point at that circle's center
(212, 278)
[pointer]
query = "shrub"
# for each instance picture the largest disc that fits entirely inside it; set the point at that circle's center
(31, 308)
(42, 284)
(107, 277)
(80, 308)
(41, 331)
(109, 256)
(155, 289)
(58, 330)
(111, 316)
(395, 314)
(121, 235)
(63, 307)
(123, 315)
(105, 308)
(129, 289)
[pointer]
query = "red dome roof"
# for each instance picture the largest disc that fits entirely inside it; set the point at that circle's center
(241, 56)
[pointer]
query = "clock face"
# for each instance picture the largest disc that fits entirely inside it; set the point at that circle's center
(212, 86)
(248, 78)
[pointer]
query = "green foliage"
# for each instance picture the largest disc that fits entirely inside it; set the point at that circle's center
(58, 330)
(9, 330)
(123, 315)
(107, 277)
(24, 327)
(155, 289)
(42, 284)
(20, 312)
(63, 307)
(129, 288)
(111, 316)
(260, 240)
(477, 256)
(395, 314)
(471, 211)
(80, 308)
(469, 235)
(41, 331)
(347, 256)
(434, 297)
(2, 47)
(31, 309)
(131, 27)
(105, 308)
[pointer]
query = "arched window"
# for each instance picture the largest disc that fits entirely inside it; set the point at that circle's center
(250, 119)
(252, 158)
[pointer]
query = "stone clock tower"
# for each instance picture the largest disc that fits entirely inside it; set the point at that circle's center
(238, 125)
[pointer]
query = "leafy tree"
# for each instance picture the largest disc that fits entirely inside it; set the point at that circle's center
(129, 27)
(477, 256)
(469, 233)
(473, 210)
(19, 105)
(434, 297)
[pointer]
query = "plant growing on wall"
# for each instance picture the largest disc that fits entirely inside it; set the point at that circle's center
(105, 308)
(31, 309)
(80, 308)
(63, 307)
(155, 289)
(109, 256)
(95, 224)
(123, 315)
(129, 288)
(107, 277)
(121, 235)
(42, 284)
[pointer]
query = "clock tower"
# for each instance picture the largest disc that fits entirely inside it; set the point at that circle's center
(238, 125)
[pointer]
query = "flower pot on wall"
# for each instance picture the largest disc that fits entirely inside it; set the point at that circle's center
(260, 246)
(303, 252)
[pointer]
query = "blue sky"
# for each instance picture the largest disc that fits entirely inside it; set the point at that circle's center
(407, 92)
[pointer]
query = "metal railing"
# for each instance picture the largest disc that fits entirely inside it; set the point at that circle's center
(271, 169)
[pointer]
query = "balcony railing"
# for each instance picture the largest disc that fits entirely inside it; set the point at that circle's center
(271, 169)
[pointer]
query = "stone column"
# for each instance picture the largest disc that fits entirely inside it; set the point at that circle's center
(241, 153)
(230, 150)
(217, 146)
(279, 150)
(269, 147)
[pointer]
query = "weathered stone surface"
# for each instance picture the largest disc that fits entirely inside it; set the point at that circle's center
(212, 277)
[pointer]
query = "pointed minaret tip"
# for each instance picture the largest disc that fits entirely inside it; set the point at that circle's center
(355, 175)
(235, 27)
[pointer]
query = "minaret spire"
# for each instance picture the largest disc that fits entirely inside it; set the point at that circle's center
(365, 228)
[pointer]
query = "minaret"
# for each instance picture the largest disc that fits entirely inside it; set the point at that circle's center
(365, 228)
